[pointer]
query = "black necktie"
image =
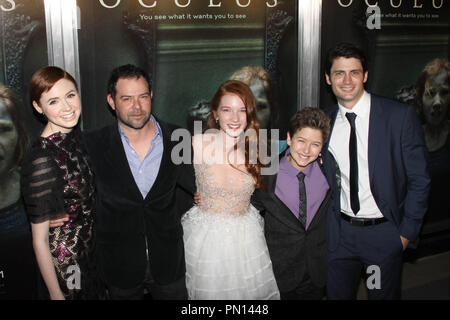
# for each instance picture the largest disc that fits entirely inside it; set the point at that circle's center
(302, 196)
(353, 153)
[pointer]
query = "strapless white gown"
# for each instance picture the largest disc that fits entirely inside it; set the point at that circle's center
(226, 251)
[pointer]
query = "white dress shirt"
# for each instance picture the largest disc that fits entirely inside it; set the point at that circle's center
(339, 144)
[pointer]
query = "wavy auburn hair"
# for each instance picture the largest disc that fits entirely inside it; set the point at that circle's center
(243, 91)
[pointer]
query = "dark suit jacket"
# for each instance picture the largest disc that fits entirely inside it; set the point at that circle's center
(124, 219)
(398, 172)
(293, 250)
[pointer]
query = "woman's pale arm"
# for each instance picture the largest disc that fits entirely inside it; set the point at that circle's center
(44, 259)
(59, 222)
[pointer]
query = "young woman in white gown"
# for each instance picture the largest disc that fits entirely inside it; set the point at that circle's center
(226, 252)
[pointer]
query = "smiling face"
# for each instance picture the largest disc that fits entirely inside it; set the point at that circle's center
(436, 99)
(347, 80)
(231, 115)
(132, 102)
(305, 146)
(61, 106)
(8, 139)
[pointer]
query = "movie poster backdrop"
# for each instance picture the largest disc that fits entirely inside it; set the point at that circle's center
(401, 38)
(188, 46)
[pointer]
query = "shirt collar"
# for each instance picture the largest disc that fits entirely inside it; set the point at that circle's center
(361, 108)
(290, 169)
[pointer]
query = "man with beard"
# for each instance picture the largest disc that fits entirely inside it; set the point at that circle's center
(139, 195)
(140, 238)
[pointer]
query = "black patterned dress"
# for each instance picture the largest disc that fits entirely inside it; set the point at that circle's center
(57, 180)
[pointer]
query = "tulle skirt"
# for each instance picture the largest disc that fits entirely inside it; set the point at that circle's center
(227, 257)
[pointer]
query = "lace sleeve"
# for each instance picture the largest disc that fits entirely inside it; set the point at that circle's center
(42, 187)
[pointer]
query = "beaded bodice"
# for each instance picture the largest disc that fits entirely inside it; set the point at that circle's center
(224, 190)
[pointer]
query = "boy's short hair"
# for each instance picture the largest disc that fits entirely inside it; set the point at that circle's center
(310, 117)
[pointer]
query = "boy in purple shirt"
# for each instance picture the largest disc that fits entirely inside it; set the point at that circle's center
(294, 209)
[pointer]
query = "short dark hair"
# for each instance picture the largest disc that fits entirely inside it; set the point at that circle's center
(345, 50)
(310, 117)
(126, 71)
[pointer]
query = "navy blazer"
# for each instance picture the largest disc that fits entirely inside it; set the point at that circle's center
(398, 169)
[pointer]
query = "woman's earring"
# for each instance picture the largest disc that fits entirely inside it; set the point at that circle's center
(217, 120)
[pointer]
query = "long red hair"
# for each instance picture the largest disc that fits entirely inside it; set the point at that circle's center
(245, 94)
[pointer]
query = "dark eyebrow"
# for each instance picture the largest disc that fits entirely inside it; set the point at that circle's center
(138, 95)
(353, 70)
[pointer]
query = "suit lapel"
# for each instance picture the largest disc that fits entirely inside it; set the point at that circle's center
(119, 162)
(270, 182)
(283, 213)
(376, 133)
(328, 160)
(165, 160)
(332, 116)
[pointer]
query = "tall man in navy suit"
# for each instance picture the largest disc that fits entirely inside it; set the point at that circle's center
(377, 169)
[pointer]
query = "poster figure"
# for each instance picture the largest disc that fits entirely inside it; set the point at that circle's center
(431, 98)
(433, 103)
(17, 269)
